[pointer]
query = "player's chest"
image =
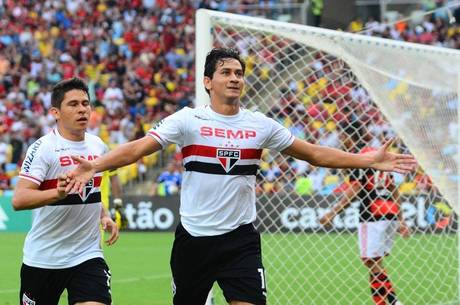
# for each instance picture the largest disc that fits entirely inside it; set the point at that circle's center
(62, 155)
(230, 136)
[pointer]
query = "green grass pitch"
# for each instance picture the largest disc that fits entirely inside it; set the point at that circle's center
(320, 269)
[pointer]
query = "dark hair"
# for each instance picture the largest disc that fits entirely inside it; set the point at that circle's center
(217, 55)
(60, 89)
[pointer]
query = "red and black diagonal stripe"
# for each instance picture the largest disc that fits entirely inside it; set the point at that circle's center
(73, 199)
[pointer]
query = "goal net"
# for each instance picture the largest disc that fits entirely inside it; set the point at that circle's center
(347, 91)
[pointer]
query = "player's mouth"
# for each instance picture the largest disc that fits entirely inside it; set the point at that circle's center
(82, 120)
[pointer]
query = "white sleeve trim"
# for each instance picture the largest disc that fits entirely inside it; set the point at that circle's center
(157, 137)
(289, 143)
(30, 178)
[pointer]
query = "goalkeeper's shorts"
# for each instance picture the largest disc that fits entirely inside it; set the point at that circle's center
(233, 259)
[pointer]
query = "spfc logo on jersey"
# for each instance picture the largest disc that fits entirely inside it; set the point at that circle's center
(87, 190)
(228, 158)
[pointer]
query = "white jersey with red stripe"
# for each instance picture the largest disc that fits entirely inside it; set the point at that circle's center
(221, 156)
(65, 233)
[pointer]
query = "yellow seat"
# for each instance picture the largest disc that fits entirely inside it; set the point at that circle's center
(317, 124)
(330, 126)
(407, 188)
(268, 187)
(331, 179)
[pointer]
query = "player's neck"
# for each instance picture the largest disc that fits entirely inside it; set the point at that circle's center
(71, 135)
(226, 109)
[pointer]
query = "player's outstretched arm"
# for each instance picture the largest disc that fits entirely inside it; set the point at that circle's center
(324, 156)
(27, 194)
(122, 155)
(348, 195)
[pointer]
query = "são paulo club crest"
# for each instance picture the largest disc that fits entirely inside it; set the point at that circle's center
(87, 190)
(228, 158)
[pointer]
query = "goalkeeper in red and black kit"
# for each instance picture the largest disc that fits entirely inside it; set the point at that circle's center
(380, 219)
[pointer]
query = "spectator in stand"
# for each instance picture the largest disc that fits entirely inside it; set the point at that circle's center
(4, 151)
(4, 179)
(169, 181)
(119, 46)
(17, 147)
(113, 97)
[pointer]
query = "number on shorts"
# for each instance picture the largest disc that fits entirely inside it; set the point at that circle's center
(262, 276)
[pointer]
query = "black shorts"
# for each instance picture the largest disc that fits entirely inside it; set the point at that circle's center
(88, 281)
(233, 259)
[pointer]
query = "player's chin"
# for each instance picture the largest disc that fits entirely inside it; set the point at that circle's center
(233, 95)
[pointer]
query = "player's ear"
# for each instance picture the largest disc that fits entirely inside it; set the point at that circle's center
(55, 113)
(207, 82)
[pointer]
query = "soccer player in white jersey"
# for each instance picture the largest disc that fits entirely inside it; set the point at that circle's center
(62, 249)
(221, 146)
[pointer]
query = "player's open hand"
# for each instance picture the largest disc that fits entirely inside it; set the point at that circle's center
(404, 229)
(80, 175)
(111, 227)
(387, 161)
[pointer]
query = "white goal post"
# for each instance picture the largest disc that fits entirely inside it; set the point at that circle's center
(326, 86)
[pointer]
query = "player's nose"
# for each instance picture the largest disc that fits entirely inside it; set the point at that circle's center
(82, 108)
(234, 77)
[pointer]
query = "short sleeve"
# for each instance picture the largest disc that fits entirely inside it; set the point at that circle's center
(170, 130)
(279, 137)
(35, 165)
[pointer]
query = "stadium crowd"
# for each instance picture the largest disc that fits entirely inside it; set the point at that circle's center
(138, 59)
(137, 56)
